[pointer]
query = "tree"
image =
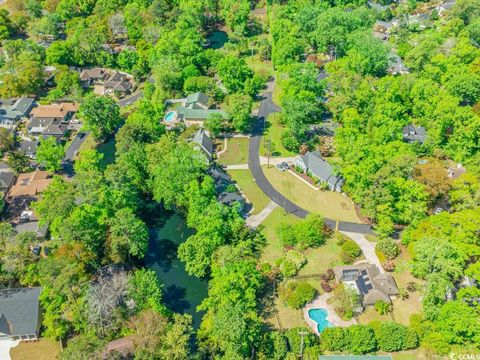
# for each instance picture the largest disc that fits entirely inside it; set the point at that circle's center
(128, 236)
(335, 339)
(387, 247)
(383, 307)
(83, 347)
(50, 154)
(101, 116)
(233, 72)
(146, 290)
(6, 141)
(239, 108)
(345, 301)
(297, 294)
(214, 124)
(362, 339)
(18, 161)
(310, 232)
(395, 337)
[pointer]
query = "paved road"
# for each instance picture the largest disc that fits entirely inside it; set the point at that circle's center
(130, 100)
(74, 146)
(267, 107)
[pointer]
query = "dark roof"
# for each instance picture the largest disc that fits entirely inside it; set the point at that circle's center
(19, 311)
(23, 105)
(321, 168)
(28, 147)
(412, 133)
(205, 143)
(6, 179)
(118, 82)
(32, 226)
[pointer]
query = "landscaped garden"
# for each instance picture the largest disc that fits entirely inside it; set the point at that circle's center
(236, 153)
(249, 187)
(326, 203)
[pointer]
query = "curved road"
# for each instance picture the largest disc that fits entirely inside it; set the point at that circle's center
(267, 107)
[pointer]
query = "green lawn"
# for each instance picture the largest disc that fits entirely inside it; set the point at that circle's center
(326, 203)
(44, 349)
(255, 195)
(274, 133)
(262, 68)
(237, 152)
(107, 149)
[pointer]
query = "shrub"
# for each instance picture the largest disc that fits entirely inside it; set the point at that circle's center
(388, 247)
(388, 266)
(291, 262)
(403, 293)
(383, 307)
(310, 232)
(346, 301)
(350, 251)
(297, 294)
(437, 343)
(335, 339)
(412, 286)
(395, 337)
(362, 339)
(326, 287)
(330, 274)
(294, 339)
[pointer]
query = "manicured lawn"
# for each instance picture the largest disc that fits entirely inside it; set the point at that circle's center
(250, 188)
(237, 152)
(322, 258)
(107, 149)
(274, 248)
(326, 203)
(44, 349)
(274, 133)
(260, 67)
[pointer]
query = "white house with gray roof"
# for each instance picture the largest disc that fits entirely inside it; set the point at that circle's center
(314, 165)
(20, 315)
(203, 141)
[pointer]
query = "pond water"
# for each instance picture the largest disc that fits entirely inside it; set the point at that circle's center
(182, 292)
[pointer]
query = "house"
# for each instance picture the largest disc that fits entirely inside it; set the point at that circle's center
(396, 65)
(455, 172)
(205, 144)
(413, 133)
(20, 315)
(368, 282)
(442, 9)
(7, 177)
(51, 120)
(314, 165)
(117, 82)
(29, 148)
(13, 110)
(29, 185)
(28, 222)
(197, 100)
(89, 77)
(124, 346)
(197, 116)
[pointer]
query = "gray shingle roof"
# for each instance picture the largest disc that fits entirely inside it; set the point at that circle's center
(28, 147)
(205, 143)
(19, 311)
(6, 179)
(412, 133)
(321, 168)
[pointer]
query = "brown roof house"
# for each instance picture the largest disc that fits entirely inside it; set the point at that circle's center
(368, 282)
(118, 83)
(51, 120)
(89, 77)
(29, 184)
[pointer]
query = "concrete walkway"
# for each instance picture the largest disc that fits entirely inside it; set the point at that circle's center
(5, 346)
(321, 302)
(255, 220)
(368, 248)
(237, 167)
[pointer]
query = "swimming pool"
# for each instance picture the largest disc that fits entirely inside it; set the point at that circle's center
(320, 317)
(171, 116)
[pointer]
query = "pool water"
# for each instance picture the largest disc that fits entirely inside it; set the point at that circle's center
(170, 116)
(320, 317)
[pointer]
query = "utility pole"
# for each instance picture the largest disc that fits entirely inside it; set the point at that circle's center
(269, 149)
(302, 333)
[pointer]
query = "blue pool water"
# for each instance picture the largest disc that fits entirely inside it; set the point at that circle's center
(320, 317)
(170, 116)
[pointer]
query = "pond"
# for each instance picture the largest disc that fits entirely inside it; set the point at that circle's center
(182, 292)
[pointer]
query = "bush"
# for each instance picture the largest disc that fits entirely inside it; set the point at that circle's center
(330, 274)
(395, 337)
(326, 287)
(296, 294)
(290, 263)
(388, 247)
(310, 232)
(388, 266)
(335, 339)
(294, 339)
(383, 307)
(362, 339)
(350, 251)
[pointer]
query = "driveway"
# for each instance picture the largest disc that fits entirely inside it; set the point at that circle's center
(267, 107)
(368, 248)
(75, 145)
(130, 100)
(5, 346)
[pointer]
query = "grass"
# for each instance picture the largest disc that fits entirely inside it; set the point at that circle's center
(274, 133)
(255, 195)
(44, 349)
(260, 67)
(107, 149)
(326, 203)
(321, 258)
(237, 152)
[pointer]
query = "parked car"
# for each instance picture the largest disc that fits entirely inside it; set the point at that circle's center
(283, 166)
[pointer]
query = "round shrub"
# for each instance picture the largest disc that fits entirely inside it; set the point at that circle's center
(388, 247)
(350, 251)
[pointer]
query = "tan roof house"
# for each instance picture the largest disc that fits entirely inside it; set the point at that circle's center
(368, 281)
(30, 184)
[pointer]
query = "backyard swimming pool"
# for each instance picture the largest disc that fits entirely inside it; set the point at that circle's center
(171, 115)
(320, 317)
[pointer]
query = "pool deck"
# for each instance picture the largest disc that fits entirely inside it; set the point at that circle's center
(332, 317)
